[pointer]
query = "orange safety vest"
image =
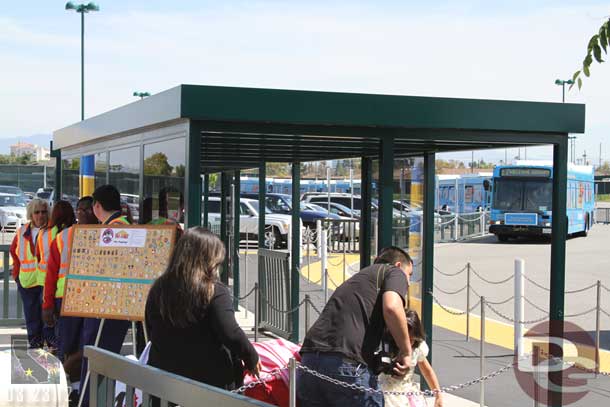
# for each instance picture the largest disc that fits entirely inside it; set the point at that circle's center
(43, 246)
(27, 270)
(64, 246)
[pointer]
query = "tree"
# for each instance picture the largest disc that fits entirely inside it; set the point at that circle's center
(157, 164)
(278, 170)
(597, 43)
(180, 170)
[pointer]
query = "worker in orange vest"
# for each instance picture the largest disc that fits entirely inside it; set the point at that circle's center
(107, 209)
(24, 253)
(69, 328)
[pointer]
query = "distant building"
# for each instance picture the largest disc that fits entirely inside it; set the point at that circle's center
(38, 153)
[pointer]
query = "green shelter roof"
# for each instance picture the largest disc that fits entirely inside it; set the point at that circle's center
(241, 127)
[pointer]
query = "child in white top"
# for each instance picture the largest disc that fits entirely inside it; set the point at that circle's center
(405, 383)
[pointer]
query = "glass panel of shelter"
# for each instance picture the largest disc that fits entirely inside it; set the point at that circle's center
(164, 170)
(124, 174)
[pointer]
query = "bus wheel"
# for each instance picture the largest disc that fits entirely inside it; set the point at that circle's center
(585, 232)
(502, 238)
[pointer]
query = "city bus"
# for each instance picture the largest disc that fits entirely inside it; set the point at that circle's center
(474, 192)
(523, 195)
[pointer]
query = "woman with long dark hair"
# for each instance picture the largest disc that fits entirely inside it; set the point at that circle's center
(190, 317)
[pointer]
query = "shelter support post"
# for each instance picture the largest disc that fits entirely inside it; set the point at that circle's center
(57, 155)
(262, 189)
(428, 250)
(386, 192)
(558, 254)
(295, 249)
(206, 200)
(225, 187)
(193, 176)
(236, 238)
(365, 211)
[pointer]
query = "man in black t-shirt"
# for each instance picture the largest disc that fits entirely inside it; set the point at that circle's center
(342, 342)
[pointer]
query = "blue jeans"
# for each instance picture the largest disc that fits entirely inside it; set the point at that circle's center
(315, 392)
(68, 333)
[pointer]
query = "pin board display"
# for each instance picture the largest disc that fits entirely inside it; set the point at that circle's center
(112, 268)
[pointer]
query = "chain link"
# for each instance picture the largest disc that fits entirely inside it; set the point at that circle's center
(535, 283)
(450, 311)
(605, 288)
(534, 305)
(580, 313)
(582, 289)
(262, 380)
(451, 274)
(500, 302)
(281, 310)
(314, 307)
(491, 281)
(501, 315)
(574, 364)
(605, 312)
(426, 393)
(450, 292)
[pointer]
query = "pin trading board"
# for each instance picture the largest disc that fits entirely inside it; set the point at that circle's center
(112, 268)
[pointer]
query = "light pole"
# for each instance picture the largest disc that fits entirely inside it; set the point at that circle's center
(141, 95)
(82, 9)
(563, 84)
(572, 140)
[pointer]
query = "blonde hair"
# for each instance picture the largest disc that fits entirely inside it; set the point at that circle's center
(34, 204)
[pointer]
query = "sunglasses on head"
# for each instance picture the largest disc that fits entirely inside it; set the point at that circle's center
(39, 212)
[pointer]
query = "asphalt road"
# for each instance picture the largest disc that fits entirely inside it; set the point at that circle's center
(587, 260)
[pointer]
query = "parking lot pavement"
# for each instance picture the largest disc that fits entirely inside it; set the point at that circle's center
(587, 261)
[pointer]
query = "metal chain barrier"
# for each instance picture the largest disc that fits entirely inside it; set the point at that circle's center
(450, 274)
(425, 393)
(281, 310)
(606, 313)
(534, 305)
(605, 288)
(472, 220)
(450, 292)
(501, 315)
(536, 284)
(500, 302)
(314, 307)
(457, 313)
(582, 289)
(262, 380)
(507, 279)
(579, 314)
(572, 364)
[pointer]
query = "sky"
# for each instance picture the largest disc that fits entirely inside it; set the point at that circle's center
(468, 49)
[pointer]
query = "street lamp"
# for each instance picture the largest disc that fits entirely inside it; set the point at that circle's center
(563, 84)
(141, 95)
(572, 140)
(82, 9)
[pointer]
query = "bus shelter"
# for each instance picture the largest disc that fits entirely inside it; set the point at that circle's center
(161, 149)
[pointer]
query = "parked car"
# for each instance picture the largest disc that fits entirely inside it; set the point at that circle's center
(46, 194)
(348, 230)
(133, 202)
(8, 189)
(282, 203)
(12, 211)
(277, 226)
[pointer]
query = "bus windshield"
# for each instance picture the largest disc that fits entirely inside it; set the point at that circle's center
(523, 195)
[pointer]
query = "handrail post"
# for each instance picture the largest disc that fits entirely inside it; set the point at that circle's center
(306, 312)
(323, 264)
(468, 302)
(318, 234)
(597, 326)
(482, 353)
(292, 372)
(256, 311)
(519, 306)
